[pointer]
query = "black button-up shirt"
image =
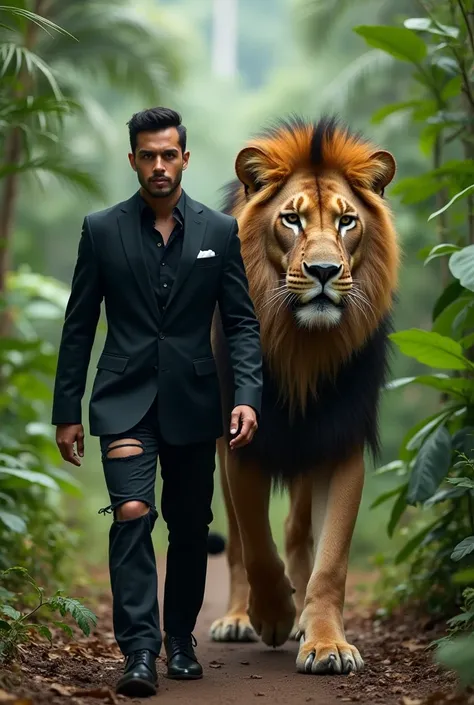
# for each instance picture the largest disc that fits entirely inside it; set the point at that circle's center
(162, 260)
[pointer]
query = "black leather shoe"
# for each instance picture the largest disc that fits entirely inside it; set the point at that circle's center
(181, 659)
(140, 678)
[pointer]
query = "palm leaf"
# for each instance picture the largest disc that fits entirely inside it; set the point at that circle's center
(349, 83)
(129, 50)
(59, 168)
(42, 22)
(318, 18)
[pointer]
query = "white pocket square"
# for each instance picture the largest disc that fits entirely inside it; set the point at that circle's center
(206, 253)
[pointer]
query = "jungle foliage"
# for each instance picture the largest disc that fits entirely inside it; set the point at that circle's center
(433, 501)
(42, 87)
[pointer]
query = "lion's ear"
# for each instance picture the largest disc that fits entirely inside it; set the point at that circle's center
(252, 167)
(383, 166)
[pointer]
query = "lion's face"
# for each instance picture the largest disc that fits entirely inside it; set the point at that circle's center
(319, 246)
(315, 238)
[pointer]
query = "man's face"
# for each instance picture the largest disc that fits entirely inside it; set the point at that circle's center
(159, 161)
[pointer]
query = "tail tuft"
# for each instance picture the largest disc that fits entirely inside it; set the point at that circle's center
(216, 544)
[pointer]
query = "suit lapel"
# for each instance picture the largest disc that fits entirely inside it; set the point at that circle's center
(194, 229)
(130, 232)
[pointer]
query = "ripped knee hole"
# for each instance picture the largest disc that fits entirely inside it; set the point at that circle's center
(131, 510)
(125, 448)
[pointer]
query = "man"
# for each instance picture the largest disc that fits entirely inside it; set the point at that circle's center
(161, 262)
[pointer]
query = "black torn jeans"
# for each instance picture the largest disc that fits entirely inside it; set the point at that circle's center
(188, 484)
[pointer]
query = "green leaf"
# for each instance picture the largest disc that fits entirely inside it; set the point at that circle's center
(386, 496)
(457, 655)
(400, 42)
(44, 632)
(431, 466)
(397, 511)
(35, 478)
(392, 108)
(455, 198)
(467, 342)
(431, 349)
(81, 614)
(461, 265)
(421, 430)
(463, 440)
(13, 522)
(463, 549)
(393, 466)
(452, 89)
(425, 24)
(33, 17)
(461, 482)
(458, 386)
(10, 612)
(463, 577)
(414, 189)
(444, 323)
(452, 292)
(443, 496)
(441, 250)
(413, 543)
(65, 627)
(464, 320)
(5, 626)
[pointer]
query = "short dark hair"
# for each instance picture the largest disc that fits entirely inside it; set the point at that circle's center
(155, 119)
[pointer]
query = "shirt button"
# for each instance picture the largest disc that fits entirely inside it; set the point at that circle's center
(159, 244)
(161, 335)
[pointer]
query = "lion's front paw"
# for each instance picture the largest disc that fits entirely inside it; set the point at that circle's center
(235, 627)
(272, 611)
(328, 657)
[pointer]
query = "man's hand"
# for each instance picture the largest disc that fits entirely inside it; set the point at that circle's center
(66, 436)
(246, 416)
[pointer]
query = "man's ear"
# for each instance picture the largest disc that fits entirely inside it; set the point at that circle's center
(186, 156)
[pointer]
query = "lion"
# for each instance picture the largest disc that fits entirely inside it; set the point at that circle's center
(321, 254)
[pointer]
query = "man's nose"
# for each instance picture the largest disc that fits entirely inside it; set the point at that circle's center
(323, 271)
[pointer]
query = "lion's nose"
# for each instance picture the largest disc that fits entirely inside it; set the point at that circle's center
(323, 272)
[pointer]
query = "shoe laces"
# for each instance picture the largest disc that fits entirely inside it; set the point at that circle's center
(183, 645)
(140, 656)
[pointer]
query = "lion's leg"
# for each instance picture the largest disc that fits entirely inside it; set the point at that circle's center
(323, 646)
(299, 543)
(271, 607)
(235, 625)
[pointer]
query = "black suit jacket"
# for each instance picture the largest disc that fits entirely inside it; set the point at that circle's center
(147, 351)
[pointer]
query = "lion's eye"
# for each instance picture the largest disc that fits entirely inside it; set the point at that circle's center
(346, 222)
(291, 218)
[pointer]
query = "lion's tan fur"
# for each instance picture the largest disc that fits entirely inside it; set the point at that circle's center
(299, 357)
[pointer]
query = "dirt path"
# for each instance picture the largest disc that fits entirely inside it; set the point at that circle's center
(398, 670)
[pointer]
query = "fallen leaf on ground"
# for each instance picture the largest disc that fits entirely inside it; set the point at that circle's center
(255, 676)
(12, 699)
(216, 664)
(103, 693)
(60, 689)
(412, 645)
